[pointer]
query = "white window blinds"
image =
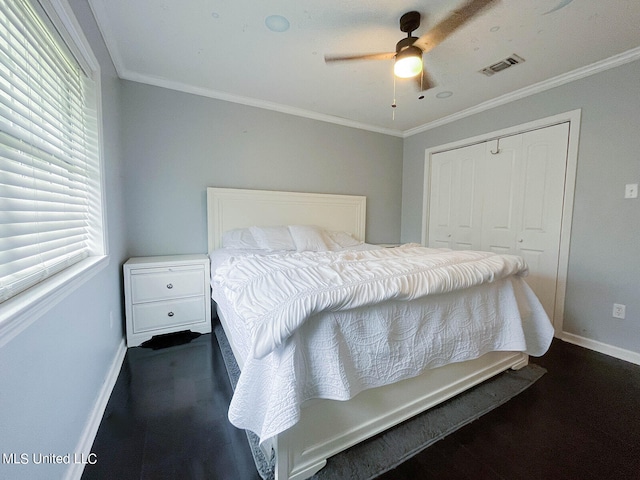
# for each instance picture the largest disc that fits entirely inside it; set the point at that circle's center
(49, 164)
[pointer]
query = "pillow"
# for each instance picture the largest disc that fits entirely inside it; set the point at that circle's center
(273, 238)
(239, 238)
(308, 238)
(342, 240)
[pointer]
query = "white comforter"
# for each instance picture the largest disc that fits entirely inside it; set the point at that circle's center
(306, 340)
(312, 282)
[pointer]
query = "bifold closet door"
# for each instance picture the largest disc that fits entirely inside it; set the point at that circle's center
(524, 195)
(509, 197)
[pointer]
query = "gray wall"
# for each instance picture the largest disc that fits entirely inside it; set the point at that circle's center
(604, 262)
(52, 372)
(177, 144)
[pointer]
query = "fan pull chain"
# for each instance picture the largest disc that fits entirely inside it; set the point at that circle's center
(393, 105)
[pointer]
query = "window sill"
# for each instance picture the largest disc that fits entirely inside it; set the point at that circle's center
(17, 313)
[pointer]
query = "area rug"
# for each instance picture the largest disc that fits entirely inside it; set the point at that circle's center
(389, 449)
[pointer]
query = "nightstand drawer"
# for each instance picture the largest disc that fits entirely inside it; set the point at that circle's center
(157, 315)
(148, 285)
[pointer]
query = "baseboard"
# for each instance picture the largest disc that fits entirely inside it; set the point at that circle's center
(612, 351)
(83, 450)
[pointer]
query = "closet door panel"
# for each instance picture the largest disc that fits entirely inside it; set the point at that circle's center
(455, 205)
(466, 217)
(536, 166)
(441, 198)
(538, 242)
(502, 180)
(544, 166)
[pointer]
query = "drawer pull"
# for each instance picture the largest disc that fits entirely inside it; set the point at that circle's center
(170, 314)
(170, 286)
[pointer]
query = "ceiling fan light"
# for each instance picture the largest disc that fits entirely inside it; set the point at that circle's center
(408, 62)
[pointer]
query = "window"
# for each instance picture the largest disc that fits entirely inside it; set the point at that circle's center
(50, 182)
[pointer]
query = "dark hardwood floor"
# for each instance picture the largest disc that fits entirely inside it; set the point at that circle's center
(167, 419)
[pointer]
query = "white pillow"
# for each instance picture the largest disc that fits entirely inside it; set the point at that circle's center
(239, 238)
(342, 240)
(273, 238)
(308, 238)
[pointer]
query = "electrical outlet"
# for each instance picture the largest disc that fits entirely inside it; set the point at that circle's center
(619, 311)
(631, 190)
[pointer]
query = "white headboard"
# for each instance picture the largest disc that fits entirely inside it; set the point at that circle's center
(229, 208)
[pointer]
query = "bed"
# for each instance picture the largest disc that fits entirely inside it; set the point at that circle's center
(299, 391)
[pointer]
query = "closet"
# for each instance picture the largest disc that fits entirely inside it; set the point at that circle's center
(504, 195)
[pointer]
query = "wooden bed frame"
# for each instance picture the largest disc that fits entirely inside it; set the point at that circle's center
(328, 427)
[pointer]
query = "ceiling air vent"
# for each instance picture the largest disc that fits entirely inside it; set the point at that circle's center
(502, 65)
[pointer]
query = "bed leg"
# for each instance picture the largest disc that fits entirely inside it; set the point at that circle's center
(522, 363)
(286, 467)
(308, 472)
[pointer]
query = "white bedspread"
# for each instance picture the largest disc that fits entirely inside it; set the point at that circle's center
(312, 282)
(340, 352)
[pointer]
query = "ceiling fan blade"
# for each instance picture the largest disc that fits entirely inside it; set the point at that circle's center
(424, 81)
(369, 56)
(450, 24)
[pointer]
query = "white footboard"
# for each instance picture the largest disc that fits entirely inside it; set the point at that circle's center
(328, 427)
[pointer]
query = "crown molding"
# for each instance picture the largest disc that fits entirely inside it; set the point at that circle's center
(607, 64)
(102, 19)
(253, 102)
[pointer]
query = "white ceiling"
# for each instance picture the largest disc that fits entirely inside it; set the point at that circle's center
(223, 49)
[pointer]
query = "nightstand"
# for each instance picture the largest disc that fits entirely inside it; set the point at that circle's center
(166, 294)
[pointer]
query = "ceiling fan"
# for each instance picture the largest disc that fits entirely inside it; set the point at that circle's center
(409, 51)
